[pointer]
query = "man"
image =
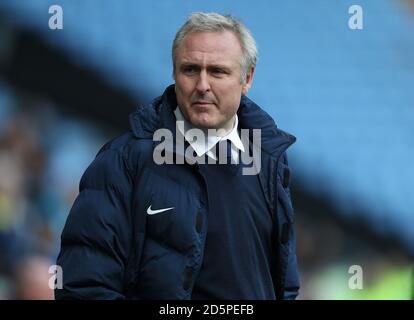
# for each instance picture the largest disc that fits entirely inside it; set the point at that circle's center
(143, 227)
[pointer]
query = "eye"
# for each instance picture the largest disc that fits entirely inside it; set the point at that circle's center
(218, 71)
(189, 69)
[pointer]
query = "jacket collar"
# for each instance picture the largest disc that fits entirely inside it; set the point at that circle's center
(159, 114)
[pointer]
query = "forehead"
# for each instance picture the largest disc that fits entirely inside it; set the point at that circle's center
(212, 46)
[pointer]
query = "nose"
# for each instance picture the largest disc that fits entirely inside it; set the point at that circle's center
(203, 84)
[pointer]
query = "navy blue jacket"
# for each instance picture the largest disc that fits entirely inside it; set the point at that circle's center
(112, 249)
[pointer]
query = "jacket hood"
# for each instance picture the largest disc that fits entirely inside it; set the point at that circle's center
(159, 114)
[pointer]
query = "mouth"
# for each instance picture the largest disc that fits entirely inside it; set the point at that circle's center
(202, 103)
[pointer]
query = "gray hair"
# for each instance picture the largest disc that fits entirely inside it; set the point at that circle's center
(214, 22)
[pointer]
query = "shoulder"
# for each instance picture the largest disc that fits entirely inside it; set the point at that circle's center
(120, 157)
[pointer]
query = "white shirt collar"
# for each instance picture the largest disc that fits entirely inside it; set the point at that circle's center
(207, 147)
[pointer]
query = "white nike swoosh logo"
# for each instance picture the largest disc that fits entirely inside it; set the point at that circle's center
(149, 211)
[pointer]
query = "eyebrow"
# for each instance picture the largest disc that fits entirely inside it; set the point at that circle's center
(211, 66)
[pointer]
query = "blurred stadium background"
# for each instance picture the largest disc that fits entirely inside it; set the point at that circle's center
(346, 94)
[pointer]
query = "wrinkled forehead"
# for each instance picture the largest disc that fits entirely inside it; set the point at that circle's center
(213, 46)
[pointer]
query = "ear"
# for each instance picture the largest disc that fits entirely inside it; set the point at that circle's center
(249, 81)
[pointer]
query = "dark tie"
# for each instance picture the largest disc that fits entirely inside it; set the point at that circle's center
(224, 151)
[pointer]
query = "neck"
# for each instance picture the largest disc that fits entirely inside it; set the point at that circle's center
(226, 128)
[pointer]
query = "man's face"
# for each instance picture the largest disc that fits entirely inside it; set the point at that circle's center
(208, 78)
